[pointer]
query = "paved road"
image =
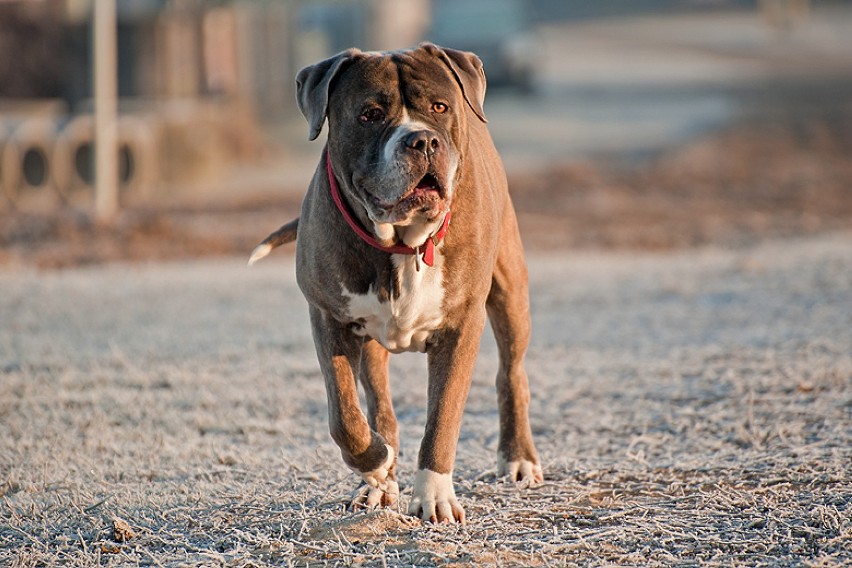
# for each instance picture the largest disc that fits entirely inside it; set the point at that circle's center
(633, 86)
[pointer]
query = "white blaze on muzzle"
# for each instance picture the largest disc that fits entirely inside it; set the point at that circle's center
(395, 143)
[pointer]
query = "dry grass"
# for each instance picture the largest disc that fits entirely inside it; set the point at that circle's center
(690, 408)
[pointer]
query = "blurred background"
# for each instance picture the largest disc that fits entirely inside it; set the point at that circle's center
(637, 124)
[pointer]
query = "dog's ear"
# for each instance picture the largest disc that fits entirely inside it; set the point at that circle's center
(312, 87)
(468, 71)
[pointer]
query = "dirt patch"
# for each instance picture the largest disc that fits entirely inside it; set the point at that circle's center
(66, 238)
(759, 179)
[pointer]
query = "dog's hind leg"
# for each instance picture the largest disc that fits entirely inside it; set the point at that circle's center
(509, 313)
(373, 375)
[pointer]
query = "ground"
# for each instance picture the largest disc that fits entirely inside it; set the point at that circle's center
(689, 407)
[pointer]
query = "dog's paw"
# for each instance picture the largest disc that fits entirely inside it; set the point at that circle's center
(378, 478)
(367, 497)
(434, 498)
(520, 471)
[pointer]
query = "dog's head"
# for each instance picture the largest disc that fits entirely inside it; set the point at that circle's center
(397, 127)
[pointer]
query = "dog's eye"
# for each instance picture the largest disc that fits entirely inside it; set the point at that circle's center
(374, 114)
(439, 108)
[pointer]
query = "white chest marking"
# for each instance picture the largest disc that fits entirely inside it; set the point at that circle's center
(404, 323)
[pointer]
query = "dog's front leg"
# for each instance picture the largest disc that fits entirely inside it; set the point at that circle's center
(374, 378)
(451, 359)
(364, 450)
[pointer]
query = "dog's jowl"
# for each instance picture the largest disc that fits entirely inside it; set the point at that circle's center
(407, 241)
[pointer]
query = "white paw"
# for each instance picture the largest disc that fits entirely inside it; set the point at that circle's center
(434, 498)
(523, 471)
(372, 497)
(378, 477)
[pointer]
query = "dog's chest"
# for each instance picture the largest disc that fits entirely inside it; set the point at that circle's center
(407, 321)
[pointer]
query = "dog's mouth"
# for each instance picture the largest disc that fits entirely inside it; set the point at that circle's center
(427, 189)
(428, 182)
(424, 198)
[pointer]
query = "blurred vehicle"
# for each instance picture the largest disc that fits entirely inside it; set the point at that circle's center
(498, 31)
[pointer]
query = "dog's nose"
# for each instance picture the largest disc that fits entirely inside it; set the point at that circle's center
(422, 141)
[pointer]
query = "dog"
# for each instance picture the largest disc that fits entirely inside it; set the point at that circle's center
(407, 240)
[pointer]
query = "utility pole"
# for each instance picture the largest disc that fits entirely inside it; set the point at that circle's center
(106, 110)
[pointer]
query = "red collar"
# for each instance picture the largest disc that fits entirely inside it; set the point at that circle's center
(425, 250)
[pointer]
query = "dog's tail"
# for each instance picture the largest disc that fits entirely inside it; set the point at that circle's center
(286, 233)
